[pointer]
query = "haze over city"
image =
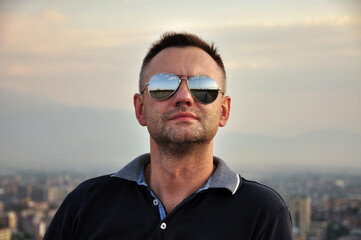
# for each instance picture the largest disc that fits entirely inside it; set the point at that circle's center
(68, 72)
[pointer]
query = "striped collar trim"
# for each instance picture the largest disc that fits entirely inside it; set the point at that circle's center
(223, 177)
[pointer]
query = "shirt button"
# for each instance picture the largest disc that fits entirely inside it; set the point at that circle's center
(155, 202)
(163, 226)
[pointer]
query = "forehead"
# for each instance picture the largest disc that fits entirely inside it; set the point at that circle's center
(184, 61)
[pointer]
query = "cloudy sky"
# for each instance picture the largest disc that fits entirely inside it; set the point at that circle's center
(69, 69)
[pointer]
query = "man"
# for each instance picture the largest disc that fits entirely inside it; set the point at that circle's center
(179, 190)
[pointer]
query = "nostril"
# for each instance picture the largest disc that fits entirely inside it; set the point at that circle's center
(184, 101)
(188, 103)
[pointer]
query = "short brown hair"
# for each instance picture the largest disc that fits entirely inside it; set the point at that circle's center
(181, 39)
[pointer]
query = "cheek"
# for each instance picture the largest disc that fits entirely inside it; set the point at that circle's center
(215, 114)
(210, 116)
(214, 111)
(152, 115)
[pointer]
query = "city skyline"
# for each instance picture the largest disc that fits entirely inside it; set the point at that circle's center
(322, 206)
(68, 72)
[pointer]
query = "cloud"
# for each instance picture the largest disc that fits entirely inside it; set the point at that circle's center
(45, 55)
(345, 20)
(231, 65)
(52, 32)
(19, 70)
(254, 65)
(57, 56)
(54, 16)
(136, 1)
(328, 21)
(320, 21)
(296, 46)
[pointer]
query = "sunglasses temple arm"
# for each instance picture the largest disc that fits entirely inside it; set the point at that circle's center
(145, 86)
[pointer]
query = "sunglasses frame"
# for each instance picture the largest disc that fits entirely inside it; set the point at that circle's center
(180, 78)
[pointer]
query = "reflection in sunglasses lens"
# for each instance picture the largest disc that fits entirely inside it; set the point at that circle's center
(205, 96)
(204, 89)
(161, 94)
(163, 85)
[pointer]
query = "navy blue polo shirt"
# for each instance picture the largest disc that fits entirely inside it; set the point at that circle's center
(122, 206)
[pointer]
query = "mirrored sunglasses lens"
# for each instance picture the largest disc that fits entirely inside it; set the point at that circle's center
(204, 89)
(162, 86)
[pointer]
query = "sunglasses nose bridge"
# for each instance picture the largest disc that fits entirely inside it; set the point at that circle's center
(183, 93)
(185, 78)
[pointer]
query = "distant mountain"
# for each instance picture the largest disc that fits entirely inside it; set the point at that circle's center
(38, 134)
(328, 149)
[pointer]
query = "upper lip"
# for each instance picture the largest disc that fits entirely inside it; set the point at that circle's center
(182, 114)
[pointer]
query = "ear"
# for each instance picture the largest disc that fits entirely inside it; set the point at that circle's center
(139, 109)
(226, 107)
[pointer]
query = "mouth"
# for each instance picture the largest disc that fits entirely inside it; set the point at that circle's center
(183, 116)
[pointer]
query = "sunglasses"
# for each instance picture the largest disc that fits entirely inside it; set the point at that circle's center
(163, 85)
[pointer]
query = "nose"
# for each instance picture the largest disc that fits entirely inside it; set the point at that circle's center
(183, 95)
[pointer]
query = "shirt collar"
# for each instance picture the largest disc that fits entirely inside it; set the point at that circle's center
(223, 177)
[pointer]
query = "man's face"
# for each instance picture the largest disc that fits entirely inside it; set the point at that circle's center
(182, 119)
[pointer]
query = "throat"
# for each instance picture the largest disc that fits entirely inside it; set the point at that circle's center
(173, 188)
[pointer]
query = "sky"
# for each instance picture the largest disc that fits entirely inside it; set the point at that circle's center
(69, 69)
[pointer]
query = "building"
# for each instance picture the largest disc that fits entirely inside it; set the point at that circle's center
(13, 221)
(56, 194)
(5, 231)
(318, 230)
(304, 227)
(300, 209)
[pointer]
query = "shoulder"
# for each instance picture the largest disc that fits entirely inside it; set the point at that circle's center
(78, 195)
(98, 186)
(265, 203)
(244, 192)
(93, 199)
(99, 189)
(256, 189)
(260, 198)
(103, 190)
(92, 184)
(95, 182)
(64, 221)
(255, 207)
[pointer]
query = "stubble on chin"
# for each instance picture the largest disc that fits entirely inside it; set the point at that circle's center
(182, 138)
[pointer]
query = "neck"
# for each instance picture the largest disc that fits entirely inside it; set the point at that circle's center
(173, 177)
